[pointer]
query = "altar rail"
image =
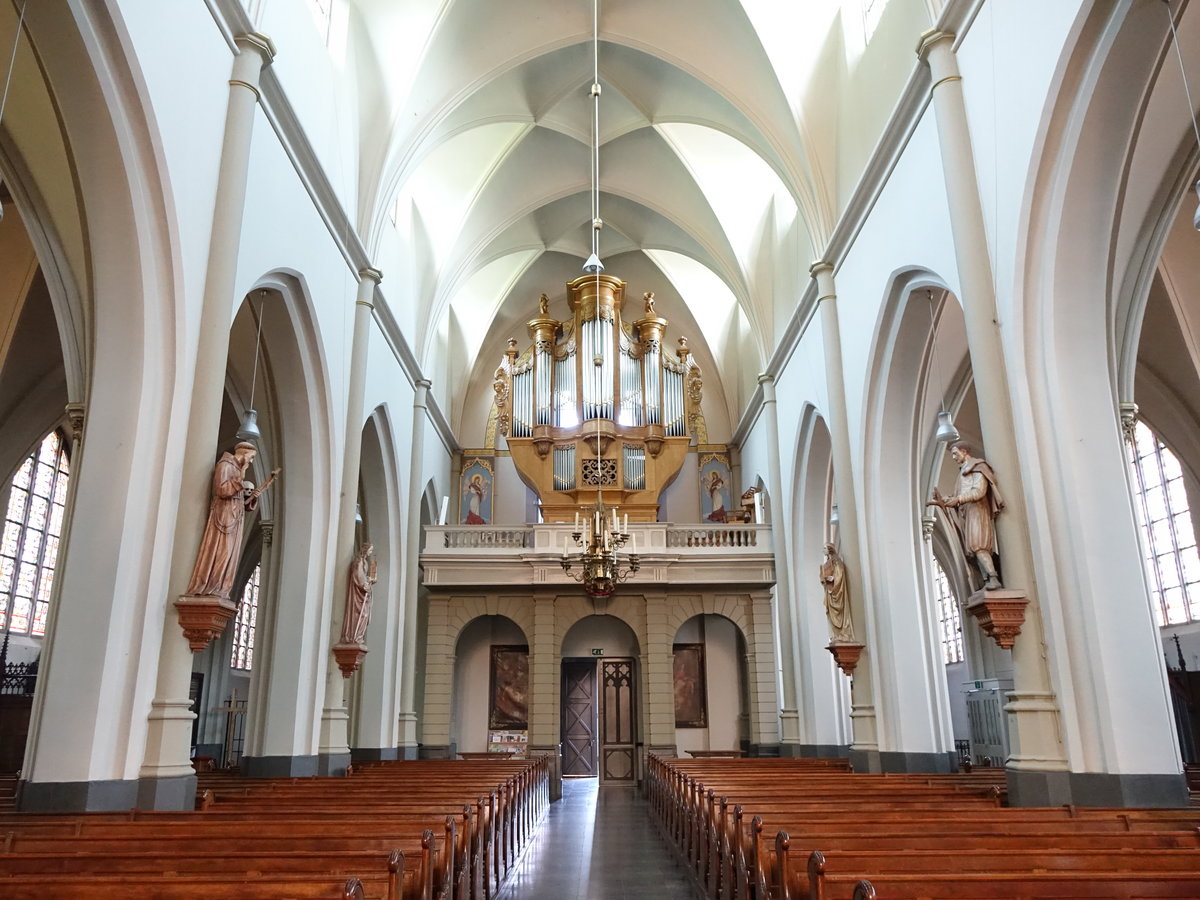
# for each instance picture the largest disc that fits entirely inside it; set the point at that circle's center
(648, 539)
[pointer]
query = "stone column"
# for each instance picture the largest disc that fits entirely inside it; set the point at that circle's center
(439, 680)
(545, 673)
(1037, 766)
(658, 666)
(789, 715)
(167, 780)
(412, 543)
(760, 669)
(864, 746)
(334, 749)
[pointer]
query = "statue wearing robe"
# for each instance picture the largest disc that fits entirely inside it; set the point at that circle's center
(221, 546)
(837, 595)
(362, 576)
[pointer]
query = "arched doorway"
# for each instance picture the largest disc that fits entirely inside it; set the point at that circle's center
(491, 687)
(599, 700)
(711, 691)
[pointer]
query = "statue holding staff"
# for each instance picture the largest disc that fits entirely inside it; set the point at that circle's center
(973, 510)
(364, 571)
(221, 546)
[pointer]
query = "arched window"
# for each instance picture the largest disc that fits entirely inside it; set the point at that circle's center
(32, 528)
(246, 623)
(1168, 541)
(949, 620)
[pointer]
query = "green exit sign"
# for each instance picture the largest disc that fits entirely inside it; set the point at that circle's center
(597, 651)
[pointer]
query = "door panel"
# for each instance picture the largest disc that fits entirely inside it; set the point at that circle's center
(579, 717)
(618, 722)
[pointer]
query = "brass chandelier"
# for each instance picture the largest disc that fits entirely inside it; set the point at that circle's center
(599, 534)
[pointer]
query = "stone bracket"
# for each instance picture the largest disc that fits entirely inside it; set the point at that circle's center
(349, 656)
(1000, 614)
(846, 654)
(203, 618)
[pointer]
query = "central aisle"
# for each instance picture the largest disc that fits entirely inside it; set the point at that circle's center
(598, 844)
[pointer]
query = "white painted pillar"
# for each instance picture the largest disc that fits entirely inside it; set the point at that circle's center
(789, 716)
(1036, 744)
(865, 731)
(334, 748)
(412, 543)
(167, 777)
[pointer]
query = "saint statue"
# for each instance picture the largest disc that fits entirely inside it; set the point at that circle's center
(837, 595)
(363, 575)
(973, 510)
(221, 546)
(716, 493)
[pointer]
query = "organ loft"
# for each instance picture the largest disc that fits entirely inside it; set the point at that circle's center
(598, 407)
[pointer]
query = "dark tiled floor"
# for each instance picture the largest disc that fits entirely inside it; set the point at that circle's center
(598, 844)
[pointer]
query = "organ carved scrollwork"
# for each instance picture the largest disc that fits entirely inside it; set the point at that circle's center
(596, 402)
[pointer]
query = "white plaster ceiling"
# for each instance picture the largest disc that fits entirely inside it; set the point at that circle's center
(717, 190)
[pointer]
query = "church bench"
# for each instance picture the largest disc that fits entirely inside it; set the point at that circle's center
(212, 886)
(832, 874)
(1008, 886)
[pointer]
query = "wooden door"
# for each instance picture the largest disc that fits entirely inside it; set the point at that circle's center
(579, 717)
(618, 745)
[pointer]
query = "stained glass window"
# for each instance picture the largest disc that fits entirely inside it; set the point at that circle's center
(949, 620)
(246, 623)
(29, 541)
(1168, 541)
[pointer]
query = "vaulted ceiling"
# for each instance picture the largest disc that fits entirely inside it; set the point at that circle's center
(731, 134)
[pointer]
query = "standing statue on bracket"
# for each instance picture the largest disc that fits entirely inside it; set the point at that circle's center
(221, 546)
(973, 510)
(837, 595)
(364, 571)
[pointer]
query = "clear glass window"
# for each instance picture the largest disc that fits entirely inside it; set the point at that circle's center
(29, 543)
(949, 619)
(246, 624)
(1168, 539)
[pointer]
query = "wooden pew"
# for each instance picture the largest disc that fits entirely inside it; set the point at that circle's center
(878, 830)
(301, 833)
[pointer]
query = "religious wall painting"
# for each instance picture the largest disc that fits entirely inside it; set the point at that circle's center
(715, 480)
(508, 705)
(476, 492)
(691, 702)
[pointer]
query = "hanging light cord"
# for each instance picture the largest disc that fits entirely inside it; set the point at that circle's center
(262, 301)
(937, 366)
(12, 59)
(1182, 71)
(595, 161)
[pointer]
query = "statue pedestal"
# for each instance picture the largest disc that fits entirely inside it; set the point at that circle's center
(846, 654)
(1000, 614)
(349, 657)
(203, 618)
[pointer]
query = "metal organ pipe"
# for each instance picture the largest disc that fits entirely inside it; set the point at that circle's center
(544, 396)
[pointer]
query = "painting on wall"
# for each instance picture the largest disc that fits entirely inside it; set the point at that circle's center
(508, 707)
(715, 479)
(476, 491)
(691, 705)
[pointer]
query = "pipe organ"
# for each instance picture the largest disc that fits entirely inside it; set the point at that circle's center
(597, 404)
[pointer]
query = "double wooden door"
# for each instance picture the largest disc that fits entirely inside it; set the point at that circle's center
(599, 722)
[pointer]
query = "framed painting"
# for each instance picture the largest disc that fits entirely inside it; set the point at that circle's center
(476, 492)
(691, 704)
(508, 692)
(715, 479)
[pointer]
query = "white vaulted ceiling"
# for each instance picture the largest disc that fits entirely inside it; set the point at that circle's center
(730, 135)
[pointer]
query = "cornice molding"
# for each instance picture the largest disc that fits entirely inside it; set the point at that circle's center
(234, 23)
(957, 18)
